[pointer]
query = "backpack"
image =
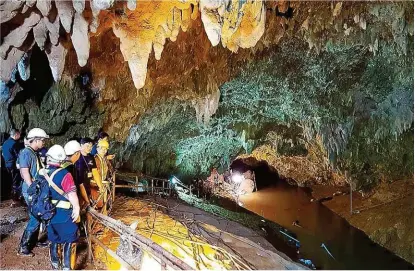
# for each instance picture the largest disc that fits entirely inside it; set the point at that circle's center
(40, 205)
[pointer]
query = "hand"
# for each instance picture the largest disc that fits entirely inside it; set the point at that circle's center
(75, 214)
(111, 156)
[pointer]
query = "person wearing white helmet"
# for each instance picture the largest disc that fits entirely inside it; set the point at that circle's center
(62, 228)
(30, 164)
(73, 154)
(73, 151)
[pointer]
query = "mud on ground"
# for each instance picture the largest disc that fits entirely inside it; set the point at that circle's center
(13, 222)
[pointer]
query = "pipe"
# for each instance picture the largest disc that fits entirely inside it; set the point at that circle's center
(289, 236)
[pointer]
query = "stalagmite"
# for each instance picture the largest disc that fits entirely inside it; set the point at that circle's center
(56, 56)
(66, 13)
(80, 39)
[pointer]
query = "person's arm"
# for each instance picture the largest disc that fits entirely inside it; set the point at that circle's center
(68, 186)
(25, 165)
(26, 175)
(96, 175)
(73, 199)
(84, 194)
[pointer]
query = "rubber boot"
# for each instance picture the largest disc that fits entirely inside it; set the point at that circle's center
(69, 256)
(54, 256)
(24, 247)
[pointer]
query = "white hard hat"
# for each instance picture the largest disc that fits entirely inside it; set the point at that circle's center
(72, 147)
(37, 132)
(56, 152)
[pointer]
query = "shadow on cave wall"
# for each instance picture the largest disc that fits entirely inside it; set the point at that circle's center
(35, 87)
(64, 109)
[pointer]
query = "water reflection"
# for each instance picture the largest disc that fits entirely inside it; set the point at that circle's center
(317, 225)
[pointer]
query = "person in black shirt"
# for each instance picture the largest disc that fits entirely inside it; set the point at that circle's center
(83, 167)
(10, 152)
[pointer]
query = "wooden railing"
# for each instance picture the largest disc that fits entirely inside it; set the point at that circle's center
(151, 185)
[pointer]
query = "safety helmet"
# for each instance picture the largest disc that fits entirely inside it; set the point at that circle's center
(72, 147)
(103, 144)
(57, 153)
(37, 132)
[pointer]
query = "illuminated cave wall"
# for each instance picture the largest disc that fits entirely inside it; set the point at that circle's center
(316, 89)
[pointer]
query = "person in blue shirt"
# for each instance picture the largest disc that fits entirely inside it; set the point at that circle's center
(30, 164)
(10, 152)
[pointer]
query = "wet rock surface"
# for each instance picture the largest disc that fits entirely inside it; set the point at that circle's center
(386, 215)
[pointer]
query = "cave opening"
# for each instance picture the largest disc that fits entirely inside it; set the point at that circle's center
(40, 80)
(265, 175)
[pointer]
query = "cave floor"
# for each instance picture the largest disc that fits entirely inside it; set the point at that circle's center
(178, 227)
(385, 215)
(13, 222)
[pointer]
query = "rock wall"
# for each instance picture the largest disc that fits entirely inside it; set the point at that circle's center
(184, 86)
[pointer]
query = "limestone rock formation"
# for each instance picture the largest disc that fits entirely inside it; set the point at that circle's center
(138, 32)
(56, 56)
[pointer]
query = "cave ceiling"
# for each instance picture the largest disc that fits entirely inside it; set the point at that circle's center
(182, 60)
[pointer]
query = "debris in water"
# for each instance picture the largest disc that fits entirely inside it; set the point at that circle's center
(324, 246)
(297, 224)
(307, 263)
(289, 236)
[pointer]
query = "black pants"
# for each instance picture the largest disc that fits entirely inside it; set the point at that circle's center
(16, 181)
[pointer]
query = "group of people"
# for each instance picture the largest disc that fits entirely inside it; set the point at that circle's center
(77, 179)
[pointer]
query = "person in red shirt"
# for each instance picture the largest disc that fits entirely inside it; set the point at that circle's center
(62, 228)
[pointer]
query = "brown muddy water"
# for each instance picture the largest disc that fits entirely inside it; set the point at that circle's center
(325, 238)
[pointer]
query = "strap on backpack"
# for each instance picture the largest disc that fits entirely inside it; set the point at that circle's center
(52, 184)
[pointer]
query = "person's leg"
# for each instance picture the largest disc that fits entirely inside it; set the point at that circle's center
(54, 255)
(69, 256)
(31, 231)
(29, 238)
(16, 184)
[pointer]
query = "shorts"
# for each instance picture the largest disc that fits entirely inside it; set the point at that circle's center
(63, 232)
